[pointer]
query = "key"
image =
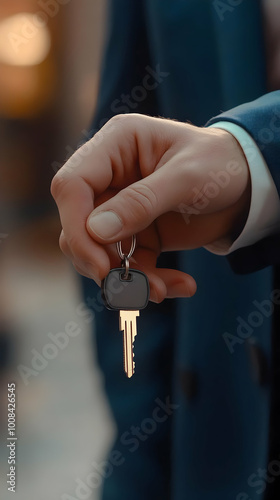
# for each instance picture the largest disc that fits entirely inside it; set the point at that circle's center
(126, 291)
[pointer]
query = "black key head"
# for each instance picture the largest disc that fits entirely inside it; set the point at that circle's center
(122, 294)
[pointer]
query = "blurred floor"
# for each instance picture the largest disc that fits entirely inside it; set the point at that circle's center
(63, 421)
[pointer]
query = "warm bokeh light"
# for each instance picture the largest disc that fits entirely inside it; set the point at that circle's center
(48, 91)
(23, 40)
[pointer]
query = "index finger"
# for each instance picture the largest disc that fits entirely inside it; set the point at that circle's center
(84, 176)
(75, 201)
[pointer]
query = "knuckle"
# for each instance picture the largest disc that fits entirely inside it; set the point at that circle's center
(127, 120)
(143, 198)
(118, 119)
(74, 243)
(63, 244)
(57, 185)
(63, 184)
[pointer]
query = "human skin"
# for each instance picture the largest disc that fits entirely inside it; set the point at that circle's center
(146, 174)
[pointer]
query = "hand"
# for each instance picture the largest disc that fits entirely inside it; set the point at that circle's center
(174, 185)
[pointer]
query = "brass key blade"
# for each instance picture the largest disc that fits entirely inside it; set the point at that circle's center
(129, 327)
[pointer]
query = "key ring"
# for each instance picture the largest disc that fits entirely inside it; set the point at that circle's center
(125, 258)
(122, 256)
(125, 264)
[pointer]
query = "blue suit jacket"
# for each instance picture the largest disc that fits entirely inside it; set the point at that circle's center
(213, 443)
(261, 118)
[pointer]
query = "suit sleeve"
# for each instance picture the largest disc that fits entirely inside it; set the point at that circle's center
(261, 119)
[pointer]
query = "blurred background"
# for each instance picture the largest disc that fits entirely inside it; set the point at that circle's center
(50, 53)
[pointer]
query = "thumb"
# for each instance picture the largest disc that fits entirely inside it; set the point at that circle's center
(135, 207)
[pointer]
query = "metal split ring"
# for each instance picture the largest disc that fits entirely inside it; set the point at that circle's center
(122, 256)
(125, 264)
(125, 257)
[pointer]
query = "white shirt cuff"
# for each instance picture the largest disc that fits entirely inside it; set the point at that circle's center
(264, 215)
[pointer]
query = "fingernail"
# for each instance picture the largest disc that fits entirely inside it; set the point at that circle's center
(106, 225)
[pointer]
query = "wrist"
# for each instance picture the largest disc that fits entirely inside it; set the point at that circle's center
(229, 220)
(237, 214)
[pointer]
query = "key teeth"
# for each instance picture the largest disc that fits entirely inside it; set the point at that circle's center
(127, 324)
